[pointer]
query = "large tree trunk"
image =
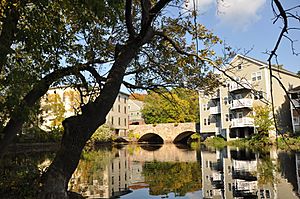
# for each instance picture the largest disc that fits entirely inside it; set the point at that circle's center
(78, 129)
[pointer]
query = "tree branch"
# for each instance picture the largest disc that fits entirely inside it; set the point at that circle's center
(19, 115)
(128, 19)
(9, 30)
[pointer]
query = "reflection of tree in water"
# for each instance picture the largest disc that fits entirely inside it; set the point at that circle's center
(91, 169)
(19, 174)
(166, 177)
(267, 171)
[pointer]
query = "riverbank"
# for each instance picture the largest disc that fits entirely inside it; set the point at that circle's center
(32, 147)
(284, 143)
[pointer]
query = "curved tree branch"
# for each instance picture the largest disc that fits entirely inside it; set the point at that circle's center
(19, 116)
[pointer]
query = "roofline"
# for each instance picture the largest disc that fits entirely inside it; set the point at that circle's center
(264, 64)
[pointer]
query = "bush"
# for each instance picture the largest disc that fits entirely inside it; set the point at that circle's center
(102, 134)
(35, 134)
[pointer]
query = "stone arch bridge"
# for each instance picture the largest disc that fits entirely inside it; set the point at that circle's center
(163, 133)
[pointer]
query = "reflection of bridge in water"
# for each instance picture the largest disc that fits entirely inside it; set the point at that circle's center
(163, 153)
(163, 133)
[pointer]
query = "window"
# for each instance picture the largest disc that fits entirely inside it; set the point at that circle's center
(226, 117)
(124, 100)
(253, 77)
(256, 76)
(112, 120)
(119, 121)
(119, 108)
(119, 98)
(225, 100)
(258, 95)
(208, 121)
(204, 107)
(230, 100)
(125, 121)
(296, 120)
(230, 116)
(112, 180)
(205, 121)
(229, 186)
(239, 67)
(295, 95)
(125, 109)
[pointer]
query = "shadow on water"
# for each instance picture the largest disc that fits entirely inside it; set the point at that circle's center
(150, 147)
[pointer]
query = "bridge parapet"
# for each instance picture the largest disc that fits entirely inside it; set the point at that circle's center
(167, 131)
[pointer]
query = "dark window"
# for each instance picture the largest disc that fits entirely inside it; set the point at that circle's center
(208, 121)
(294, 96)
(112, 120)
(204, 121)
(119, 121)
(258, 95)
(119, 108)
(125, 110)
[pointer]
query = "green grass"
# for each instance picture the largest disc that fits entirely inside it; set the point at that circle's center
(287, 143)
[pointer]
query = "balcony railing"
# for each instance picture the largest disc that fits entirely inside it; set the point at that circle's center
(242, 122)
(215, 110)
(242, 103)
(233, 86)
(218, 130)
(296, 102)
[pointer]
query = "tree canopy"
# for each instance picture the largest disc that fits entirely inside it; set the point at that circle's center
(177, 105)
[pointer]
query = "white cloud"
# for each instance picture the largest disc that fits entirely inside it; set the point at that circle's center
(239, 14)
(202, 5)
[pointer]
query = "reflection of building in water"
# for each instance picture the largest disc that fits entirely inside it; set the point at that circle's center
(234, 173)
(297, 157)
(240, 177)
(137, 180)
(212, 175)
(103, 180)
(119, 174)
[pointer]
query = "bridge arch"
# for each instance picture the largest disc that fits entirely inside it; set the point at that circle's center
(183, 137)
(151, 138)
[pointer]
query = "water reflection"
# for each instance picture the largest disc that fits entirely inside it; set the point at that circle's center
(161, 171)
(236, 173)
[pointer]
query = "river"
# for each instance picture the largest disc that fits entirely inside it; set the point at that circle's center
(177, 171)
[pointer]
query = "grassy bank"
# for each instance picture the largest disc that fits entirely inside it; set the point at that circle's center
(287, 143)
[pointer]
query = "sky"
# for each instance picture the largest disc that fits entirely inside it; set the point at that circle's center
(248, 25)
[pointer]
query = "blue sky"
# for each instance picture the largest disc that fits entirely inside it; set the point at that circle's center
(247, 24)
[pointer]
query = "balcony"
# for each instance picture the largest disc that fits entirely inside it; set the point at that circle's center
(296, 102)
(215, 110)
(241, 103)
(234, 86)
(218, 130)
(242, 122)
